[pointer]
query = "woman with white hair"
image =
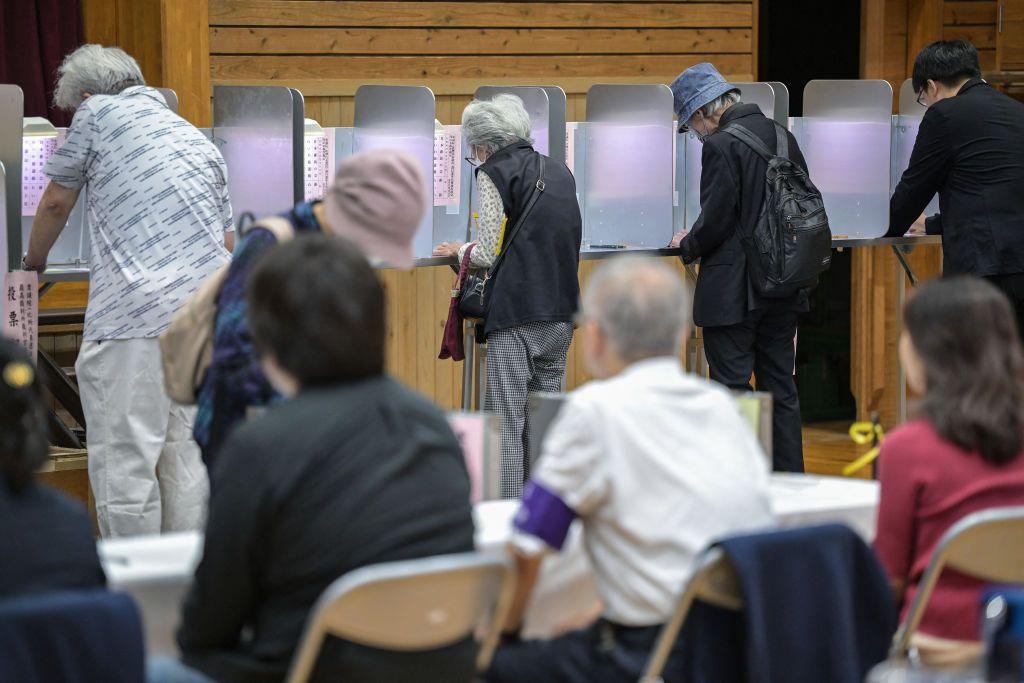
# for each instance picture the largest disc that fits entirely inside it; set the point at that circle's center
(528, 239)
(159, 220)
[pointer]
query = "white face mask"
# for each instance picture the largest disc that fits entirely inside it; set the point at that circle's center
(705, 135)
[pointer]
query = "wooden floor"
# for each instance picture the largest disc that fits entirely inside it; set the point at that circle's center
(828, 448)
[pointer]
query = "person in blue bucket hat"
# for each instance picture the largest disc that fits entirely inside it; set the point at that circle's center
(744, 333)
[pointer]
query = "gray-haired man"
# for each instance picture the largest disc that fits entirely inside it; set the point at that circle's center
(654, 462)
(744, 333)
(159, 218)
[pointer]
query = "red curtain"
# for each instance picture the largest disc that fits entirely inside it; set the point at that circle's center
(35, 35)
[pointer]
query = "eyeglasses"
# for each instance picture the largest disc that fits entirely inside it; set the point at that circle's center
(473, 161)
(919, 96)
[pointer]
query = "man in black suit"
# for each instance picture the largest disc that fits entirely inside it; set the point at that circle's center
(969, 149)
(352, 470)
(744, 333)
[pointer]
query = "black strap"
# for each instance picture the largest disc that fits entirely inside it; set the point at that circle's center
(538, 188)
(755, 143)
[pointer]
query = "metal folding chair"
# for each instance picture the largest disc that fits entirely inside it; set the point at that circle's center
(415, 605)
(987, 545)
(715, 582)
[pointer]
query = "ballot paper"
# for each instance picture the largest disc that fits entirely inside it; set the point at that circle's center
(36, 150)
(447, 166)
(317, 168)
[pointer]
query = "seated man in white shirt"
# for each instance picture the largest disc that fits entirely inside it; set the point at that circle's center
(656, 463)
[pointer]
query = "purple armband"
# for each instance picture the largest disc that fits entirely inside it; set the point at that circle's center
(544, 515)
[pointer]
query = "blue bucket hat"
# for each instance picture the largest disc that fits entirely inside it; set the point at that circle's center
(696, 87)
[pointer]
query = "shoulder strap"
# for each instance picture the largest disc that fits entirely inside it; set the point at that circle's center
(781, 141)
(281, 228)
(750, 140)
(538, 188)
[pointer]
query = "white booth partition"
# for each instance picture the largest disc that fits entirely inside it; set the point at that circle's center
(904, 133)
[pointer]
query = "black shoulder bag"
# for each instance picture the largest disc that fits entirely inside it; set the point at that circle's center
(473, 294)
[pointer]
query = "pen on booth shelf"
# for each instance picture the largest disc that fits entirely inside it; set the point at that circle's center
(607, 246)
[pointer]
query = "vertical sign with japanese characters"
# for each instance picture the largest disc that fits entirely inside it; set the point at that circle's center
(21, 309)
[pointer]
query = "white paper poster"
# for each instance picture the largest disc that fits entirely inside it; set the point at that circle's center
(36, 150)
(21, 309)
(447, 166)
(317, 166)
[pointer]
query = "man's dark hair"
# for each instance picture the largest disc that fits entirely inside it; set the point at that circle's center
(24, 441)
(965, 332)
(317, 306)
(948, 62)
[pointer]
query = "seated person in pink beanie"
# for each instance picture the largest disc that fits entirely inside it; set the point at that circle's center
(962, 354)
(376, 201)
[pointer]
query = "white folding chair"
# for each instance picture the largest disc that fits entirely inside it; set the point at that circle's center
(414, 605)
(715, 582)
(988, 545)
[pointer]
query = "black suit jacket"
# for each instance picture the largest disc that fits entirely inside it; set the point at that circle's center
(732, 192)
(335, 479)
(969, 149)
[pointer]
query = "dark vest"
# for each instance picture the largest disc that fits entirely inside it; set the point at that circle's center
(538, 278)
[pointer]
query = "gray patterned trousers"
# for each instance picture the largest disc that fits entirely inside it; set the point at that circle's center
(522, 360)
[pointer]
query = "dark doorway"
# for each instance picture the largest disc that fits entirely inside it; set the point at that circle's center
(799, 41)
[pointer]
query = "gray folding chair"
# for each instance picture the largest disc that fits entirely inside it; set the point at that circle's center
(414, 605)
(987, 545)
(715, 582)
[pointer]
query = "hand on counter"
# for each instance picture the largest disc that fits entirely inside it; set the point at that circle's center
(678, 238)
(448, 249)
(918, 227)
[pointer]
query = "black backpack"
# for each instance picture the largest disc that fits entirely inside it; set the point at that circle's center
(791, 244)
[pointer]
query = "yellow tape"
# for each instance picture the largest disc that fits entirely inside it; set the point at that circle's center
(864, 433)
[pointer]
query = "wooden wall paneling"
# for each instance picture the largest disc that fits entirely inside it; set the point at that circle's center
(186, 57)
(924, 25)
(99, 21)
(1010, 51)
(481, 14)
(973, 12)
(230, 40)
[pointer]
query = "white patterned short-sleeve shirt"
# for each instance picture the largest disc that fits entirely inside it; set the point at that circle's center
(157, 207)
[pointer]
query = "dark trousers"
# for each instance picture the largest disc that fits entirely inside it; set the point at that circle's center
(601, 653)
(1013, 287)
(763, 345)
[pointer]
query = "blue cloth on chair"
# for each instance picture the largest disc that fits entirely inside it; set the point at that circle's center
(71, 637)
(817, 607)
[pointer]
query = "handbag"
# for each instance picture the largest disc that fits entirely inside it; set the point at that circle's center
(452, 343)
(186, 346)
(473, 292)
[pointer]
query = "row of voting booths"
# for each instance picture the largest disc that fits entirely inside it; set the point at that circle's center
(638, 180)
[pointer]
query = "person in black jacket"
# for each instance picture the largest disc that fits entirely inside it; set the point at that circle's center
(47, 539)
(353, 470)
(969, 149)
(744, 333)
(534, 291)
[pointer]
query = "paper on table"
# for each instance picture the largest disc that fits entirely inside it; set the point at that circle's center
(447, 166)
(36, 150)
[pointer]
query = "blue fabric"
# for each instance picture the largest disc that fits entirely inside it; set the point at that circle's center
(235, 382)
(544, 515)
(71, 637)
(695, 87)
(816, 607)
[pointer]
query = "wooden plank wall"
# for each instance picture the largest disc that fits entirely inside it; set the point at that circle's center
(973, 20)
(328, 49)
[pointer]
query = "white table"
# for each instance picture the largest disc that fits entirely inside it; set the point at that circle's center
(156, 570)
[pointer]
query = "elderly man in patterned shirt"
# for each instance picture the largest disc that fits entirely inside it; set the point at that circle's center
(160, 223)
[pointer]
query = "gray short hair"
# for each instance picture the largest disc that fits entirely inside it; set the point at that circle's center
(720, 103)
(96, 70)
(493, 124)
(641, 305)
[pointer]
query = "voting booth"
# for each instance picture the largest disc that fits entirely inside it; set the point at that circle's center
(627, 182)
(12, 108)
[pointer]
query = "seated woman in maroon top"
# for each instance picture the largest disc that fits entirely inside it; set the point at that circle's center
(961, 353)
